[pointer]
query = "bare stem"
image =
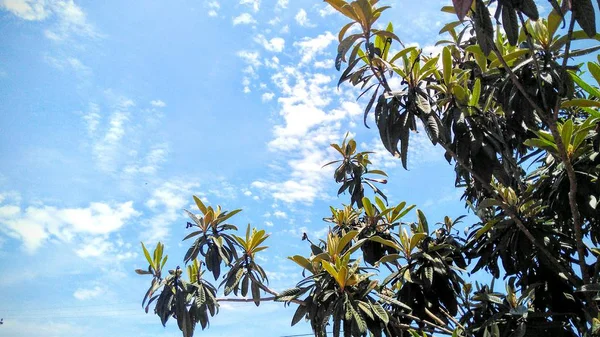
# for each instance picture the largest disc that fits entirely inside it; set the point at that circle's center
(271, 291)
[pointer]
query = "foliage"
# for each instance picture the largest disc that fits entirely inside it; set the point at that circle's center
(520, 121)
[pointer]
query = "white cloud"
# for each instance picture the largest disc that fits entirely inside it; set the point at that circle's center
(268, 223)
(250, 57)
(35, 225)
(83, 294)
(213, 8)
(280, 214)
(275, 44)
(243, 19)
(327, 64)
(167, 202)
(302, 138)
(158, 103)
(255, 4)
(267, 96)
(302, 19)
(327, 10)
(311, 47)
(282, 3)
(71, 19)
(32, 10)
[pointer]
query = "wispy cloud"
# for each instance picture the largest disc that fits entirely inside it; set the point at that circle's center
(151, 162)
(255, 4)
(267, 96)
(71, 20)
(282, 4)
(302, 19)
(84, 294)
(213, 8)
(107, 148)
(158, 103)
(167, 203)
(307, 127)
(92, 118)
(27, 9)
(69, 63)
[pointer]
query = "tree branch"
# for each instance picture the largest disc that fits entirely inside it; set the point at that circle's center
(577, 223)
(244, 300)
(271, 291)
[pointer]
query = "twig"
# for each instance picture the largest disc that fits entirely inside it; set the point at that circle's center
(271, 291)
(450, 317)
(244, 300)
(570, 170)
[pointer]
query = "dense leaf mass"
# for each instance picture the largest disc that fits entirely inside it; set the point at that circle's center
(516, 109)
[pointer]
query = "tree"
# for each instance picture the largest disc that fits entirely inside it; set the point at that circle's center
(519, 119)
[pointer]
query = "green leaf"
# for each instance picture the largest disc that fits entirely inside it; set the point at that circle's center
(255, 293)
(447, 65)
(402, 53)
(299, 314)
(200, 205)
(346, 239)
(380, 312)
(423, 222)
(148, 258)
(380, 172)
(584, 85)
(542, 144)
(579, 103)
(386, 242)
(509, 58)
(484, 30)
(567, 132)
(510, 24)
(474, 100)
(369, 210)
(344, 30)
(584, 13)
(358, 319)
(461, 7)
(595, 71)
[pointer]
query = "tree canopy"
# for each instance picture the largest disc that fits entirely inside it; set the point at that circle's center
(513, 98)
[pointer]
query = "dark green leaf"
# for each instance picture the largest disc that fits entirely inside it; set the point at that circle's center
(462, 7)
(584, 13)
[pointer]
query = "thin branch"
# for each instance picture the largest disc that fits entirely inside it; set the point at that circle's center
(244, 300)
(577, 223)
(271, 291)
(450, 317)
(433, 326)
(434, 317)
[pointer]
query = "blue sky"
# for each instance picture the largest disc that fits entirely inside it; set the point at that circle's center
(114, 113)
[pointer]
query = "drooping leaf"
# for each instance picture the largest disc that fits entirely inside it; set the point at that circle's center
(584, 13)
(510, 24)
(484, 30)
(462, 7)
